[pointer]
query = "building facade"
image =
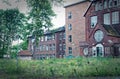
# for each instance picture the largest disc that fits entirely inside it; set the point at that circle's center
(51, 45)
(25, 55)
(103, 28)
(75, 26)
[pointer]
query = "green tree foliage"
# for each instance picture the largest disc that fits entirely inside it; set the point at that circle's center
(39, 18)
(11, 24)
(16, 48)
(40, 15)
(24, 45)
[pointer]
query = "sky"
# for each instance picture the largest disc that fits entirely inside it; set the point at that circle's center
(57, 21)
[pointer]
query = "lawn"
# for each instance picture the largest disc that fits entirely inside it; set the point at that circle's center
(59, 68)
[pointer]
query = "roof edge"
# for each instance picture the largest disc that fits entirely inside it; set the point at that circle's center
(88, 8)
(72, 4)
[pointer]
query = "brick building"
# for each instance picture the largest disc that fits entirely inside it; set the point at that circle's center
(103, 28)
(75, 26)
(52, 44)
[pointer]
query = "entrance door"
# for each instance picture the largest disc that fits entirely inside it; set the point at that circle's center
(100, 50)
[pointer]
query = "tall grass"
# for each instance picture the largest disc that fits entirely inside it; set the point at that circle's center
(61, 68)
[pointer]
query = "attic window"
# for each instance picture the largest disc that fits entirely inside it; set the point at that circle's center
(105, 4)
(110, 3)
(115, 3)
(98, 6)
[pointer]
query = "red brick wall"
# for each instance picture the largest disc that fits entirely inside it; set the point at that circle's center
(78, 26)
(90, 31)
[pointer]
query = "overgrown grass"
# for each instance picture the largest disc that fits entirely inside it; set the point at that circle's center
(60, 68)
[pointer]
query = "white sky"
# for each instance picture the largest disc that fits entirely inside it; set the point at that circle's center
(58, 21)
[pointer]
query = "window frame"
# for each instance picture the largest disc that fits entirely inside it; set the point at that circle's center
(104, 18)
(95, 18)
(98, 35)
(70, 38)
(70, 50)
(69, 27)
(115, 18)
(69, 15)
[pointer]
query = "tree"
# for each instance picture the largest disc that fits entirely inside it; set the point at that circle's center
(40, 15)
(11, 24)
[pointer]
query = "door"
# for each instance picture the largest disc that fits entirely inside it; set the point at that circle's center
(98, 50)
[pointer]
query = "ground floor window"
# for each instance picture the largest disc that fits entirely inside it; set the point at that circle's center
(85, 51)
(108, 51)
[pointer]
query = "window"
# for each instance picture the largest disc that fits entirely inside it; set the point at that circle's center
(70, 50)
(47, 48)
(60, 46)
(70, 38)
(93, 21)
(53, 37)
(107, 50)
(85, 51)
(118, 2)
(106, 18)
(69, 15)
(42, 38)
(100, 6)
(50, 47)
(41, 49)
(53, 46)
(60, 36)
(64, 47)
(105, 4)
(97, 6)
(110, 3)
(115, 17)
(44, 47)
(69, 26)
(115, 3)
(99, 35)
(63, 35)
(37, 49)
(46, 38)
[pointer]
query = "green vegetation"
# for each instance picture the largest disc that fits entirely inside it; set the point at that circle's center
(11, 23)
(60, 68)
(15, 25)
